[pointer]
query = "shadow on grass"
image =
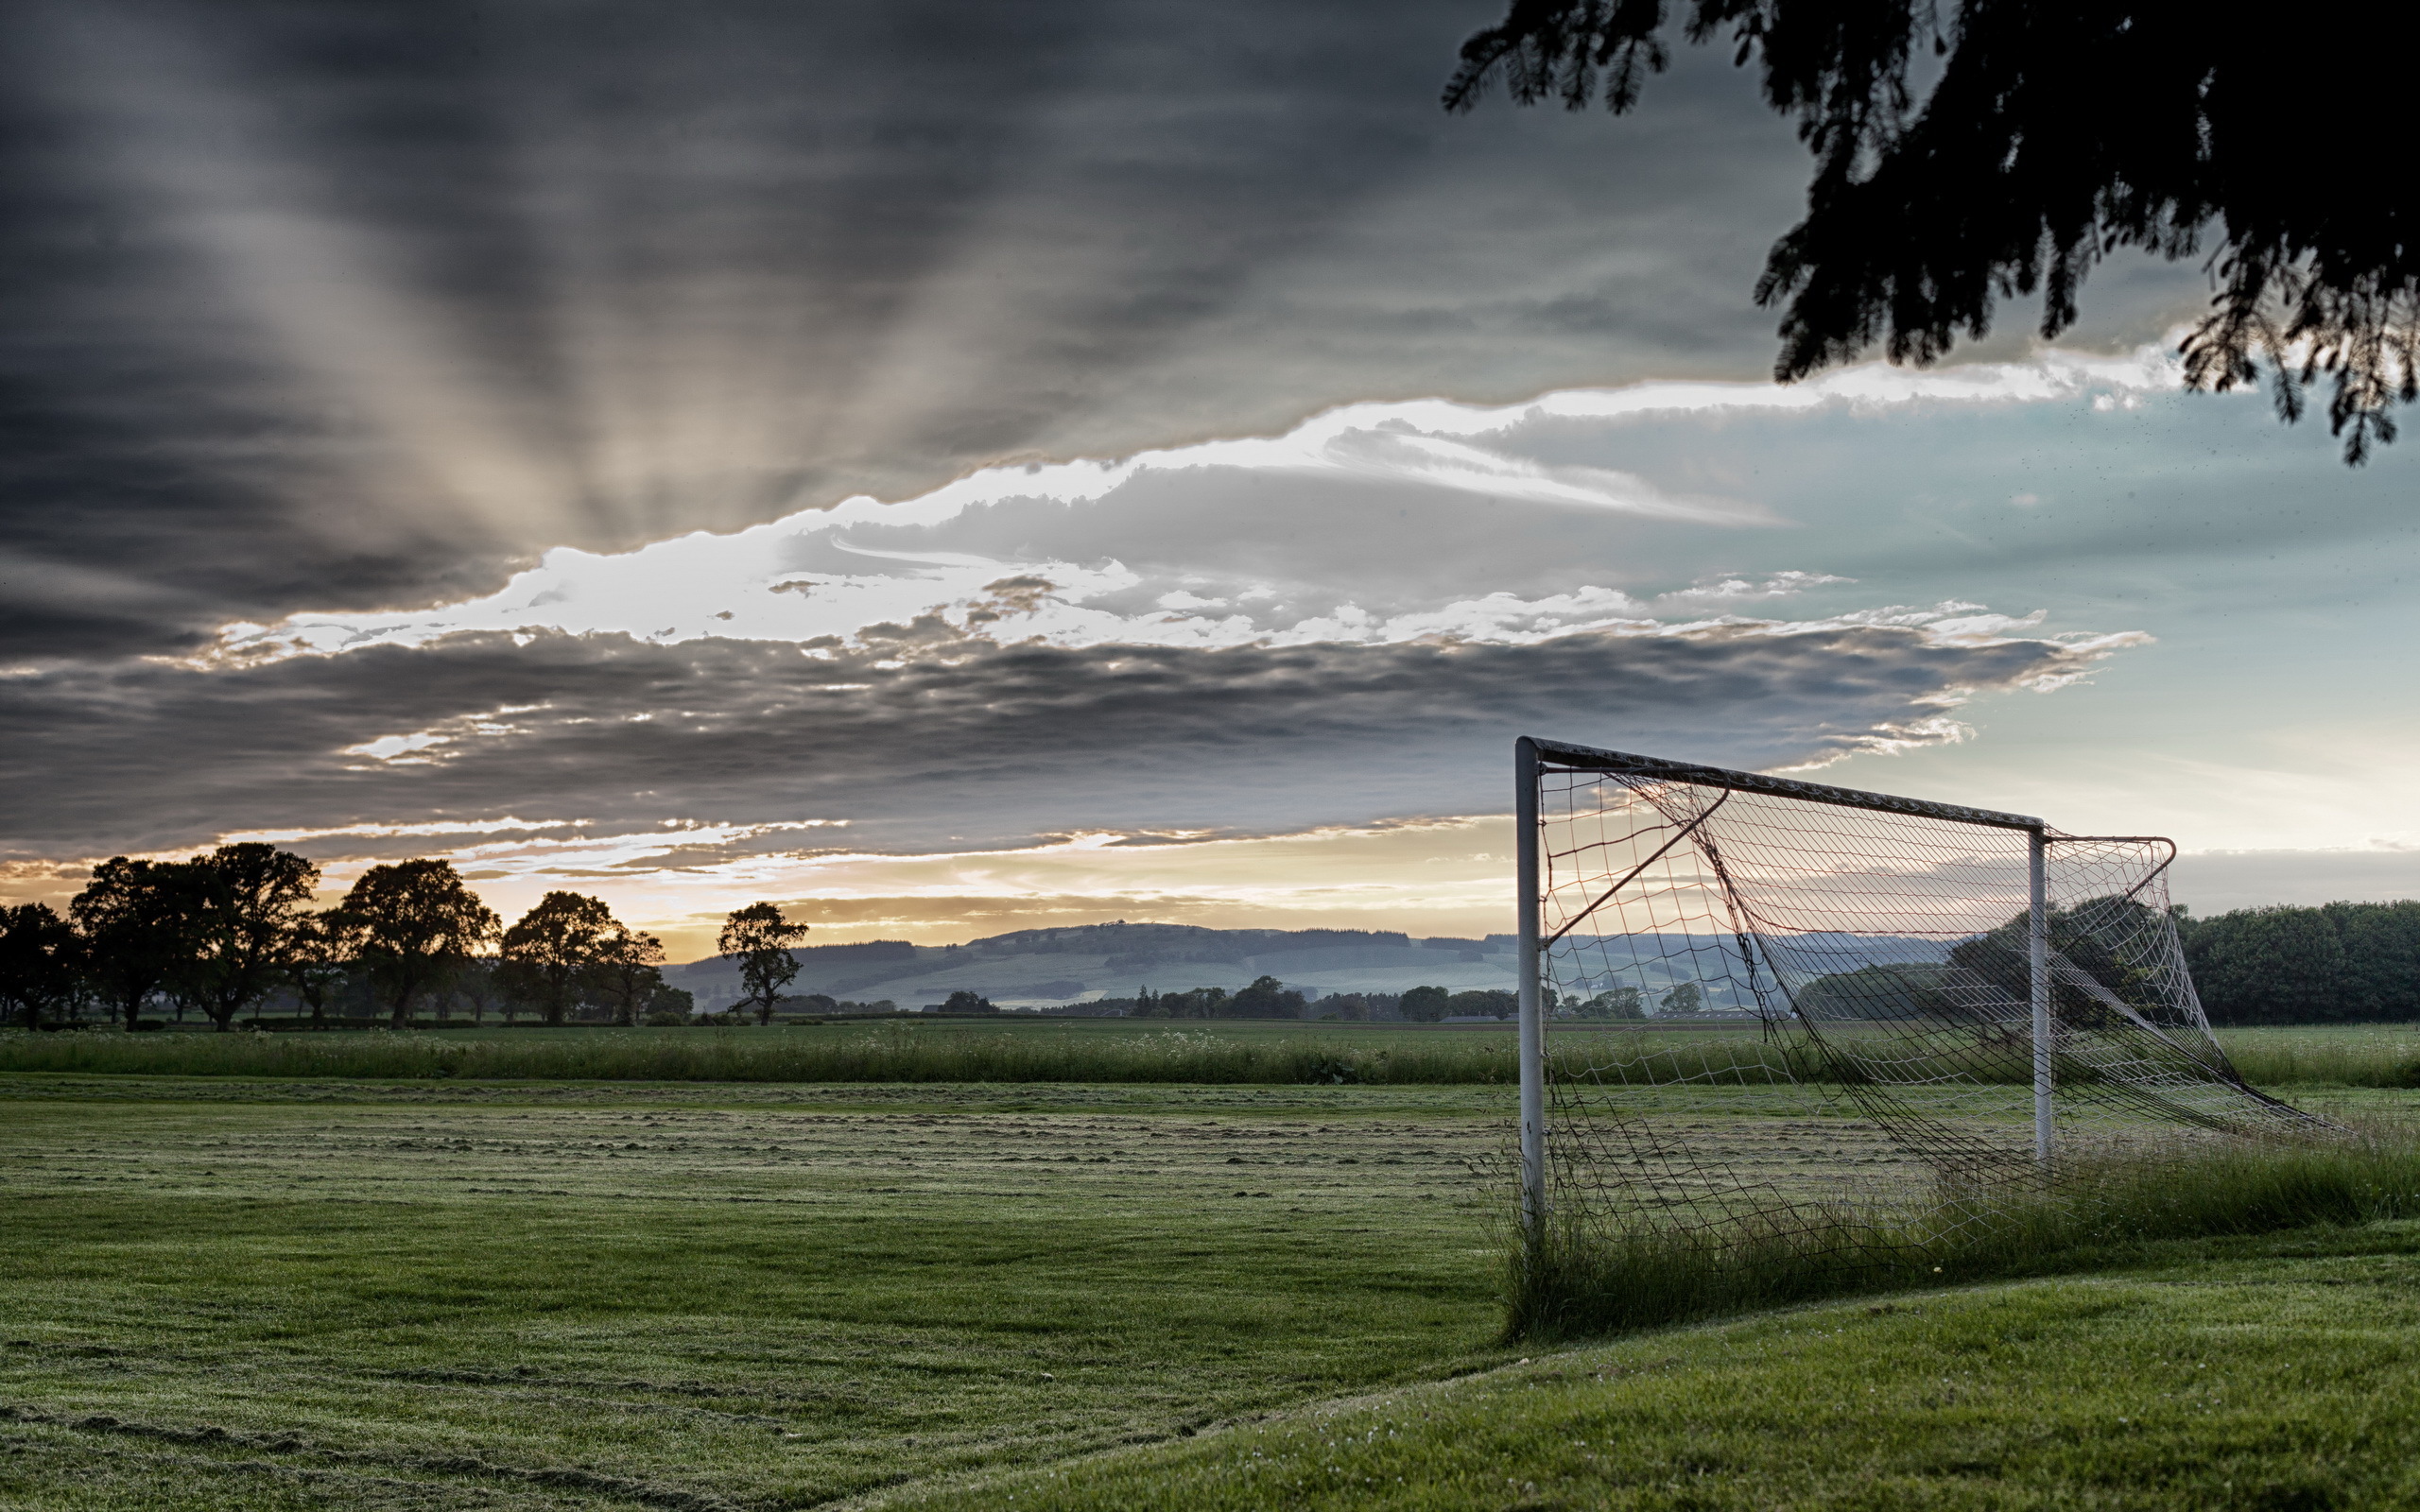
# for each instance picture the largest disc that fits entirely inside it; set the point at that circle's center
(1592, 1274)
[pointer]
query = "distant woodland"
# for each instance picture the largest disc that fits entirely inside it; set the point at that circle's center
(218, 937)
(2338, 963)
(224, 937)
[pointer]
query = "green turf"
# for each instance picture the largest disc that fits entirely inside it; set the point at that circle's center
(1070, 1051)
(634, 1300)
(887, 1051)
(218, 1293)
(2277, 1375)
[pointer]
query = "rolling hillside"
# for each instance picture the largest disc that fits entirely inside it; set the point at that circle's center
(1047, 968)
(1036, 967)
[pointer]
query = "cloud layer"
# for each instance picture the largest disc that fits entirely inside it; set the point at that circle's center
(663, 437)
(364, 307)
(1371, 523)
(926, 738)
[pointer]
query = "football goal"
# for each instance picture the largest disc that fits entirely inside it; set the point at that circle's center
(1748, 999)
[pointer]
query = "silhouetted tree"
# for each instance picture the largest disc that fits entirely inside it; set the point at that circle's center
(243, 907)
(415, 918)
(1202, 1003)
(1613, 1003)
(1426, 1004)
(1491, 1001)
(548, 954)
(1346, 1008)
(1265, 997)
(475, 980)
(318, 957)
(626, 972)
(760, 938)
(964, 1001)
(133, 919)
(670, 1005)
(39, 962)
(2056, 133)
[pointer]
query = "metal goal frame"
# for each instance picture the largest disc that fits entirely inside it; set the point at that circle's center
(1532, 756)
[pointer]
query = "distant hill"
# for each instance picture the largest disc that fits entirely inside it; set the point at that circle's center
(1036, 967)
(1049, 967)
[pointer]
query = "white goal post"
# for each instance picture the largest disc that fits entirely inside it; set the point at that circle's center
(1911, 961)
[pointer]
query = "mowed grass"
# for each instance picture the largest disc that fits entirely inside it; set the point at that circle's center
(436, 1294)
(1271, 1054)
(2271, 1375)
(629, 1300)
(1219, 1053)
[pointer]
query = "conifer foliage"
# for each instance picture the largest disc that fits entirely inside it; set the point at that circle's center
(2051, 135)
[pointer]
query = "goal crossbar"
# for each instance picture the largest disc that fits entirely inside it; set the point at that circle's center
(1556, 753)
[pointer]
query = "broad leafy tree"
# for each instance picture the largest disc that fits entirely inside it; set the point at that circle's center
(318, 957)
(550, 951)
(244, 908)
(1265, 997)
(477, 981)
(670, 1005)
(2114, 940)
(627, 972)
(415, 920)
(1613, 1003)
(132, 916)
(39, 962)
(1685, 998)
(1484, 1000)
(2340, 963)
(2272, 965)
(2054, 132)
(759, 938)
(1201, 1003)
(1880, 991)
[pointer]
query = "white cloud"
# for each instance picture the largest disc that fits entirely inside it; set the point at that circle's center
(400, 749)
(1345, 476)
(505, 824)
(1395, 452)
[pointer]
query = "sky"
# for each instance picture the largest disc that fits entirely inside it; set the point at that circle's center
(951, 468)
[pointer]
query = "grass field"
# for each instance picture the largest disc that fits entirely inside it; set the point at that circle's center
(2273, 1375)
(1221, 1053)
(323, 1292)
(615, 1299)
(1224, 1054)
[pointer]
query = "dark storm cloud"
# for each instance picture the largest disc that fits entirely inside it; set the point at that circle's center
(350, 306)
(925, 739)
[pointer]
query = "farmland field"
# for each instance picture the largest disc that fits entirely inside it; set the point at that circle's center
(2275, 1374)
(1040, 1051)
(292, 1290)
(621, 1298)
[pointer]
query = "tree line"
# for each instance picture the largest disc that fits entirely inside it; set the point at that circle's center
(1268, 997)
(2337, 963)
(225, 933)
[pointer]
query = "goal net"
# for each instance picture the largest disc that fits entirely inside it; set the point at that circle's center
(1755, 998)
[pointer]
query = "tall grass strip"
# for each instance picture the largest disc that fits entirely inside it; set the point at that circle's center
(1587, 1277)
(886, 1052)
